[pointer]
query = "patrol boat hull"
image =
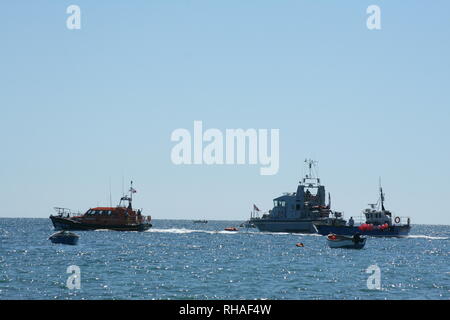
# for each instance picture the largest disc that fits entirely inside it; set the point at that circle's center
(288, 226)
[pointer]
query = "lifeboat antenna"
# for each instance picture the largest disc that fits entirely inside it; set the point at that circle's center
(131, 191)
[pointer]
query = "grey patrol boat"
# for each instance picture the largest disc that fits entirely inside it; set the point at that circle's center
(298, 211)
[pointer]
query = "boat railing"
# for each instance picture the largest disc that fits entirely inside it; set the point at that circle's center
(397, 221)
(65, 212)
(357, 220)
(139, 219)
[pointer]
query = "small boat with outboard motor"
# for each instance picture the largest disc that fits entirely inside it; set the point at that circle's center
(378, 222)
(346, 242)
(120, 218)
(64, 237)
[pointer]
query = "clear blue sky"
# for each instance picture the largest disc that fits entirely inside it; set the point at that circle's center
(80, 107)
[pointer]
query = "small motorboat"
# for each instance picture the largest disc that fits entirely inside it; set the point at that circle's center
(338, 241)
(231, 229)
(64, 237)
(300, 245)
(200, 221)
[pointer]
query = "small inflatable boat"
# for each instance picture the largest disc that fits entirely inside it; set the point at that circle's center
(231, 229)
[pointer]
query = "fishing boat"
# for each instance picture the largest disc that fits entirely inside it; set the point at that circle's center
(64, 237)
(354, 242)
(121, 218)
(377, 222)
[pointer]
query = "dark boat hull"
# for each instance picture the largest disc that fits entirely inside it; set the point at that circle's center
(395, 231)
(64, 237)
(65, 240)
(60, 223)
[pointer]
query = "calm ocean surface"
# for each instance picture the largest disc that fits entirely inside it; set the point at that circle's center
(178, 259)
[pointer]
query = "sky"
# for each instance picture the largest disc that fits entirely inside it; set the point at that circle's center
(82, 108)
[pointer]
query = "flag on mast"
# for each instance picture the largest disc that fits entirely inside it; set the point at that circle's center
(255, 208)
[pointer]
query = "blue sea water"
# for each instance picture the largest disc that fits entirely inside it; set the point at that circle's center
(178, 259)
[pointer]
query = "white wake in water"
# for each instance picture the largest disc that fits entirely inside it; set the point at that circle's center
(422, 236)
(242, 231)
(183, 231)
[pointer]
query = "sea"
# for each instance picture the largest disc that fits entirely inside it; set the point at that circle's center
(179, 259)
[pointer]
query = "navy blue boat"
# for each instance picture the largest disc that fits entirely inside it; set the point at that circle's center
(378, 223)
(64, 237)
(392, 231)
